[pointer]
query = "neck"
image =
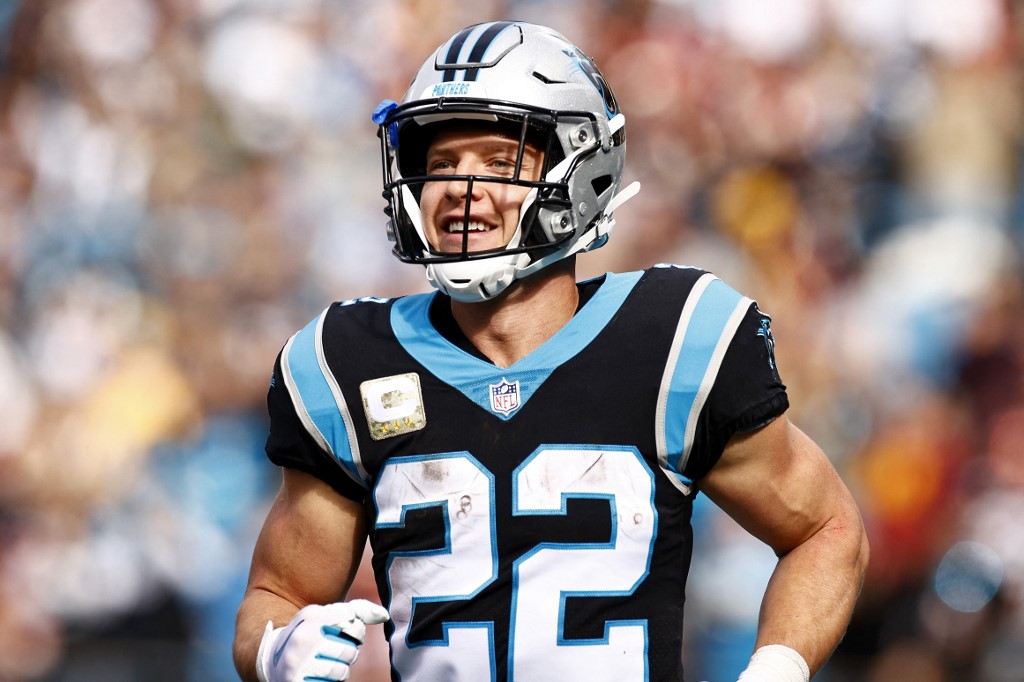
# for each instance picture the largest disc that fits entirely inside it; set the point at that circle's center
(511, 326)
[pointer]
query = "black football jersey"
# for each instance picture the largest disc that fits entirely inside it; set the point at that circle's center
(530, 522)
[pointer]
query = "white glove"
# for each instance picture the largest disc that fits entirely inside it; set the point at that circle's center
(321, 642)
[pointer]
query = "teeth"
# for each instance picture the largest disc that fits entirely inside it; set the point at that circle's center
(473, 226)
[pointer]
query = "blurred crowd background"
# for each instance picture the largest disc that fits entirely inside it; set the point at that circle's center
(184, 183)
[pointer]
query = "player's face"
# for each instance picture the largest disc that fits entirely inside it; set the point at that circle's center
(494, 207)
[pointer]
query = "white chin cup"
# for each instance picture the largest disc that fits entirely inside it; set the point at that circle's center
(475, 280)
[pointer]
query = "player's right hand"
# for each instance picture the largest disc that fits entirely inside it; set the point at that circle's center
(321, 642)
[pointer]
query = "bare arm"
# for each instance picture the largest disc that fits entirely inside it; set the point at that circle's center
(778, 484)
(307, 553)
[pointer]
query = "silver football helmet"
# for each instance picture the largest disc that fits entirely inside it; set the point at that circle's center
(538, 86)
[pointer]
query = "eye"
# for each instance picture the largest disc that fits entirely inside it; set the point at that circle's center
(439, 166)
(503, 164)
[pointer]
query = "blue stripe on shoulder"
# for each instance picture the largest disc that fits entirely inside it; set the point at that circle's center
(317, 397)
(472, 376)
(702, 335)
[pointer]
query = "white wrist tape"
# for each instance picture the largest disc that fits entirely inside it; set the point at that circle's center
(776, 663)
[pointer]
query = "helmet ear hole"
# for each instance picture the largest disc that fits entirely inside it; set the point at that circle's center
(601, 184)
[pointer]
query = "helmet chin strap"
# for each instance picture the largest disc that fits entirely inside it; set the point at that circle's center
(593, 238)
(621, 197)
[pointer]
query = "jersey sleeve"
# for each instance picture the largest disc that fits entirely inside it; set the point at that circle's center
(747, 394)
(291, 445)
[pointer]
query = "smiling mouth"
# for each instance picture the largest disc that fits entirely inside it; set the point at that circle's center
(458, 227)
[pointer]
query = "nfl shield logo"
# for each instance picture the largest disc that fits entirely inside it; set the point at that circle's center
(505, 397)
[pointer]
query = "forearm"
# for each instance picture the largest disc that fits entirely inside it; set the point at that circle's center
(810, 597)
(256, 609)
(307, 553)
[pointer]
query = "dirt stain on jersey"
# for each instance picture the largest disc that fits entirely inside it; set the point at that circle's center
(434, 471)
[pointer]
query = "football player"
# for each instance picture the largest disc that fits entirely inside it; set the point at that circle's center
(523, 449)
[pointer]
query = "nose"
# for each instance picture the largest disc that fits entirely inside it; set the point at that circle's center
(459, 189)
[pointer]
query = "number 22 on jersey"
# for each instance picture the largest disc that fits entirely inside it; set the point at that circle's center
(542, 578)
